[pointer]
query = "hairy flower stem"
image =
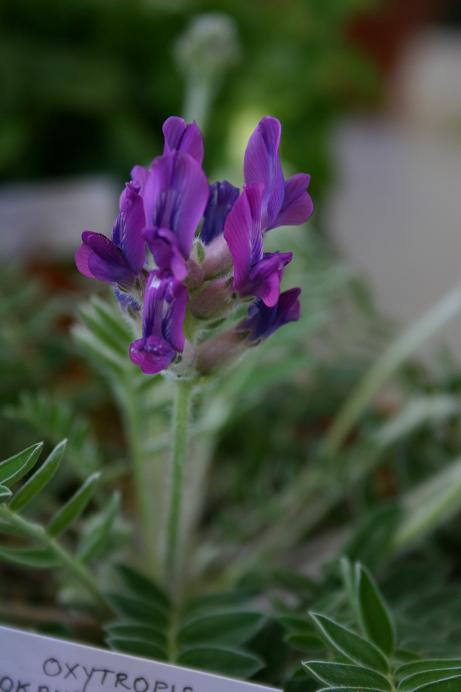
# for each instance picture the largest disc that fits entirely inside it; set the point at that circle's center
(197, 101)
(180, 424)
(133, 419)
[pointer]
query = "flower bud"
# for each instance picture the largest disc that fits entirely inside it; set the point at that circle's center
(213, 300)
(218, 260)
(219, 351)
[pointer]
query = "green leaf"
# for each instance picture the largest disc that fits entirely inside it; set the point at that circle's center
(297, 624)
(387, 364)
(69, 512)
(138, 610)
(428, 664)
(232, 662)
(5, 493)
(374, 615)
(142, 587)
(350, 644)
(448, 685)
(15, 467)
(429, 505)
(306, 643)
(216, 602)
(137, 647)
(228, 629)
(371, 540)
(125, 629)
(412, 682)
(97, 539)
(343, 674)
(40, 479)
(40, 558)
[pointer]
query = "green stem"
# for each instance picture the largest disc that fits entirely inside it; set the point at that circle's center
(180, 424)
(133, 422)
(197, 101)
(76, 568)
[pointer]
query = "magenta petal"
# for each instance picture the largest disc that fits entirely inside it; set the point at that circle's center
(262, 165)
(99, 258)
(181, 136)
(173, 324)
(128, 228)
(164, 247)
(165, 301)
(175, 197)
(153, 354)
(266, 276)
(297, 204)
(243, 234)
(139, 176)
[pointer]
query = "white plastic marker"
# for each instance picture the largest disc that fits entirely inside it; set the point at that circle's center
(32, 663)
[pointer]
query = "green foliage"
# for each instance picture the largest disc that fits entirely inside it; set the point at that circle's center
(35, 544)
(212, 633)
(95, 80)
(373, 660)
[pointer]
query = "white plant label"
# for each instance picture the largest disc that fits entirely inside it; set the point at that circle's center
(33, 663)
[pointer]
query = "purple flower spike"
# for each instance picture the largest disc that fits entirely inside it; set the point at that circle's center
(262, 321)
(284, 203)
(175, 195)
(181, 136)
(255, 273)
(165, 302)
(121, 259)
(222, 197)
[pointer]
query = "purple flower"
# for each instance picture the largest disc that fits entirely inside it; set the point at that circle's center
(255, 273)
(175, 195)
(182, 136)
(285, 203)
(165, 301)
(121, 259)
(222, 197)
(262, 321)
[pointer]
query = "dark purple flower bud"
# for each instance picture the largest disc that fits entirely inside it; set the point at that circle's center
(222, 197)
(175, 195)
(262, 321)
(284, 202)
(121, 259)
(255, 273)
(165, 301)
(182, 136)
